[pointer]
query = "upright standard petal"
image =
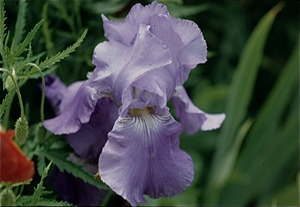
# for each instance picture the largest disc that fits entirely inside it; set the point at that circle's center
(126, 31)
(185, 41)
(77, 111)
(142, 156)
(116, 74)
(191, 117)
(89, 140)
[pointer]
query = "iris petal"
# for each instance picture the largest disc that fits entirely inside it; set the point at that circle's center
(142, 156)
(126, 31)
(89, 140)
(76, 112)
(191, 117)
(116, 75)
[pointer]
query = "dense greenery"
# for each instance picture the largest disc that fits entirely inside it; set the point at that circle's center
(252, 75)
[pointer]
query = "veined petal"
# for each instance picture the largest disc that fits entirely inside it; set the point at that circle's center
(89, 140)
(142, 156)
(75, 113)
(191, 117)
(126, 31)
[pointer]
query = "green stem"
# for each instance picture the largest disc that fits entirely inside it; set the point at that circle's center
(43, 91)
(17, 89)
(106, 198)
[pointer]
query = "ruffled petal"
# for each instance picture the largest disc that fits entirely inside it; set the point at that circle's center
(89, 140)
(75, 190)
(116, 74)
(126, 31)
(142, 156)
(191, 117)
(75, 113)
(185, 41)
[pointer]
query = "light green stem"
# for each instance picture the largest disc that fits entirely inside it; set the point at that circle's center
(17, 89)
(43, 90)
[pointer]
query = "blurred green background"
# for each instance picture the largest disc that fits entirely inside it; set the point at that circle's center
(252, 74)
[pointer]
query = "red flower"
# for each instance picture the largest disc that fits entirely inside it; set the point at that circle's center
(15, 166)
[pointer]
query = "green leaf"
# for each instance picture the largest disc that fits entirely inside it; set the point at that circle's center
(266, 160)
(272, 110)
(61, 55)
(273, 141)
(23, 200)
(289, 196)
(108, 7)
(6, 101)
(59, 157)
(20, 24)
(47, 202)
(47, 32)
(180, 11)
(41, 164)
(239, 96)
(27, 40)
(40, 190)
(2, 26)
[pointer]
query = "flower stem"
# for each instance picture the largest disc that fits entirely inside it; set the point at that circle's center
(17, 89)
(43, 90)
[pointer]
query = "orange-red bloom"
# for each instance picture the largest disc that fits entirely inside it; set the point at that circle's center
(15, 166)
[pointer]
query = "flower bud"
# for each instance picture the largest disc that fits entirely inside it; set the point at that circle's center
(40, 132)
(9, 84)
(7, 198)
(21, 129)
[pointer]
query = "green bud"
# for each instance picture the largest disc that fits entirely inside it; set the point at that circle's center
(40, 132)
(9, 84)
(7, 198)
(21, 130)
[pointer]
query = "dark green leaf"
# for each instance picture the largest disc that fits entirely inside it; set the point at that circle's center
(59, 157)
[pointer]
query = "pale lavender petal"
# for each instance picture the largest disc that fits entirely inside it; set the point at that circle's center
(89, 140)
(76, 113)
(75, 190)
(191, 117)
(185, 41)
(142, 156)
(109, 58)
(70, 94)
(126, 31)
(55, 91)
(116, 74)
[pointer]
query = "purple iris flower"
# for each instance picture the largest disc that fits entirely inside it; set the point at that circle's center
(143, 65)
